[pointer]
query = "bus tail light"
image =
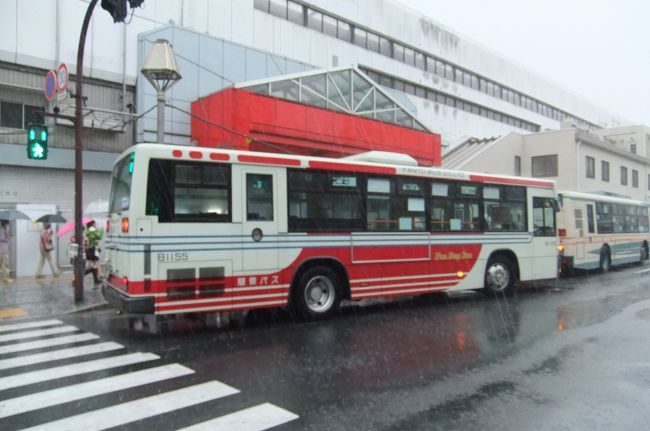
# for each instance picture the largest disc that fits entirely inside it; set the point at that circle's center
(125, 225)
(561, 232)
(108, 226)
(125, 282)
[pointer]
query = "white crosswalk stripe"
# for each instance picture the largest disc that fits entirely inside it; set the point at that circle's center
(37, 333)
(29, 325)
(56, 355)
(74, 369)
(93, 388)
(143, 408)
(259, 417)
(49, 342)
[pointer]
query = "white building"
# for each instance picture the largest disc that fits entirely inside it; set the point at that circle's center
(576, 159)
(453, 85)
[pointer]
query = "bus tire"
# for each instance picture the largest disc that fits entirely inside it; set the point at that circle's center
(317, 294)
(605, 260)
(499, 276)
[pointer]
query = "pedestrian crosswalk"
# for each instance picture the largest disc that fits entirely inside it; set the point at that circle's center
(43, 387)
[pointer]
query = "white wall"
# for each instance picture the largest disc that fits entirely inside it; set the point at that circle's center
(237, 21)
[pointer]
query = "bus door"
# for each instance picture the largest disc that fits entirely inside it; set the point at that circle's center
(260, 217)
(545, 252)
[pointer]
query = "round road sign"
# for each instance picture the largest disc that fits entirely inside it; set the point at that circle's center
(50, 85)
(62, 77)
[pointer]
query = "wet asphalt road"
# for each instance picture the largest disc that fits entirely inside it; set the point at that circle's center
(566, 355)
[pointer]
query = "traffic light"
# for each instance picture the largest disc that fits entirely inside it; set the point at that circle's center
(117, 9)
(37, 141)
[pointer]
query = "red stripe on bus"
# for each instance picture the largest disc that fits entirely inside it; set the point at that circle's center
(405, 282)
(217, 156)
(281, 301)
(196, 155)
(518, 182)
(316, 164)
(269, 160)
(177, 153)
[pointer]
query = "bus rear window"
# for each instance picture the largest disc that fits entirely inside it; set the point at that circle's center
(121, 185)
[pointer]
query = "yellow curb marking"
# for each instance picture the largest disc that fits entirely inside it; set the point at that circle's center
(12, 312)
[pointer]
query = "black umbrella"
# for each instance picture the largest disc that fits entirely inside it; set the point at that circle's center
(51, 218)
(13, 215)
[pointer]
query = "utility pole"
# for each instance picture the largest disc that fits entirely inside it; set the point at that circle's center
(118, 10)
(79, 265)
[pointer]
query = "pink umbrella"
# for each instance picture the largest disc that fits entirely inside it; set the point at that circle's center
(69, 226)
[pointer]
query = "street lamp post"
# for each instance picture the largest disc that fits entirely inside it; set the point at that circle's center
(162, 72)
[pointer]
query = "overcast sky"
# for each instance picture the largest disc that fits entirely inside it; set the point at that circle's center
(597, 49)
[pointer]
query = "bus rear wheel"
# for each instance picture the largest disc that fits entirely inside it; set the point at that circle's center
(499, 276)
(605, 260)
(317, 294)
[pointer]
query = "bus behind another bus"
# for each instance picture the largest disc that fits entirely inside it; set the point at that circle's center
(600, 231)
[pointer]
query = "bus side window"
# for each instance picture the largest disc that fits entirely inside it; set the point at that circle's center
(590, 218)
(544, 217)
(159, 190)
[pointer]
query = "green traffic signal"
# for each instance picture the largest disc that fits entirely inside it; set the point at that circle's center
(37, 141)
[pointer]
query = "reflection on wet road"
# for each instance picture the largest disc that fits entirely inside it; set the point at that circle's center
(570, 355)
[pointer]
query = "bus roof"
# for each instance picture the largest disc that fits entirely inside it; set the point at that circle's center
(600, 198)
(177, 152)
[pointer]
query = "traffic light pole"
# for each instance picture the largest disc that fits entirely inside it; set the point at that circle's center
(79, 263)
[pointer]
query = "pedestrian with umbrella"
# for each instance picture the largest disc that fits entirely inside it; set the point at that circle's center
(46, 245)
(5, 237)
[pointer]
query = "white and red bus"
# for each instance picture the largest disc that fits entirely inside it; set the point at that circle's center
(598, 231)
(210, 230)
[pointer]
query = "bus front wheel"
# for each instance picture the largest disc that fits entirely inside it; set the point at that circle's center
(499, 275)
(318, 293)
(605, 260)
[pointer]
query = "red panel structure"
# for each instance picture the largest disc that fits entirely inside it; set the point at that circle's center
(225, 119)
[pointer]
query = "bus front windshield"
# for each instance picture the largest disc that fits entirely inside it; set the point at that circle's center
(121, 185)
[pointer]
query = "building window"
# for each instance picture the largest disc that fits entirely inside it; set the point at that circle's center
(604, 170)
(623, 176)
(385, 47)
(419, 61)
(398, 52)
(262, 5)
(544, 166)
(517, 166)
(635, 178)
(329, 26)
(295, 13)
(315, 22)
(11, 115)
(373, 42)
(345, 31)
(633, 148)
(279, 8)
(591, 167)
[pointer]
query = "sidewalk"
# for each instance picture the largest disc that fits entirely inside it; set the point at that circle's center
(48, 296)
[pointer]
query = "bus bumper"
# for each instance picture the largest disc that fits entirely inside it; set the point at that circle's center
(128, 304)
